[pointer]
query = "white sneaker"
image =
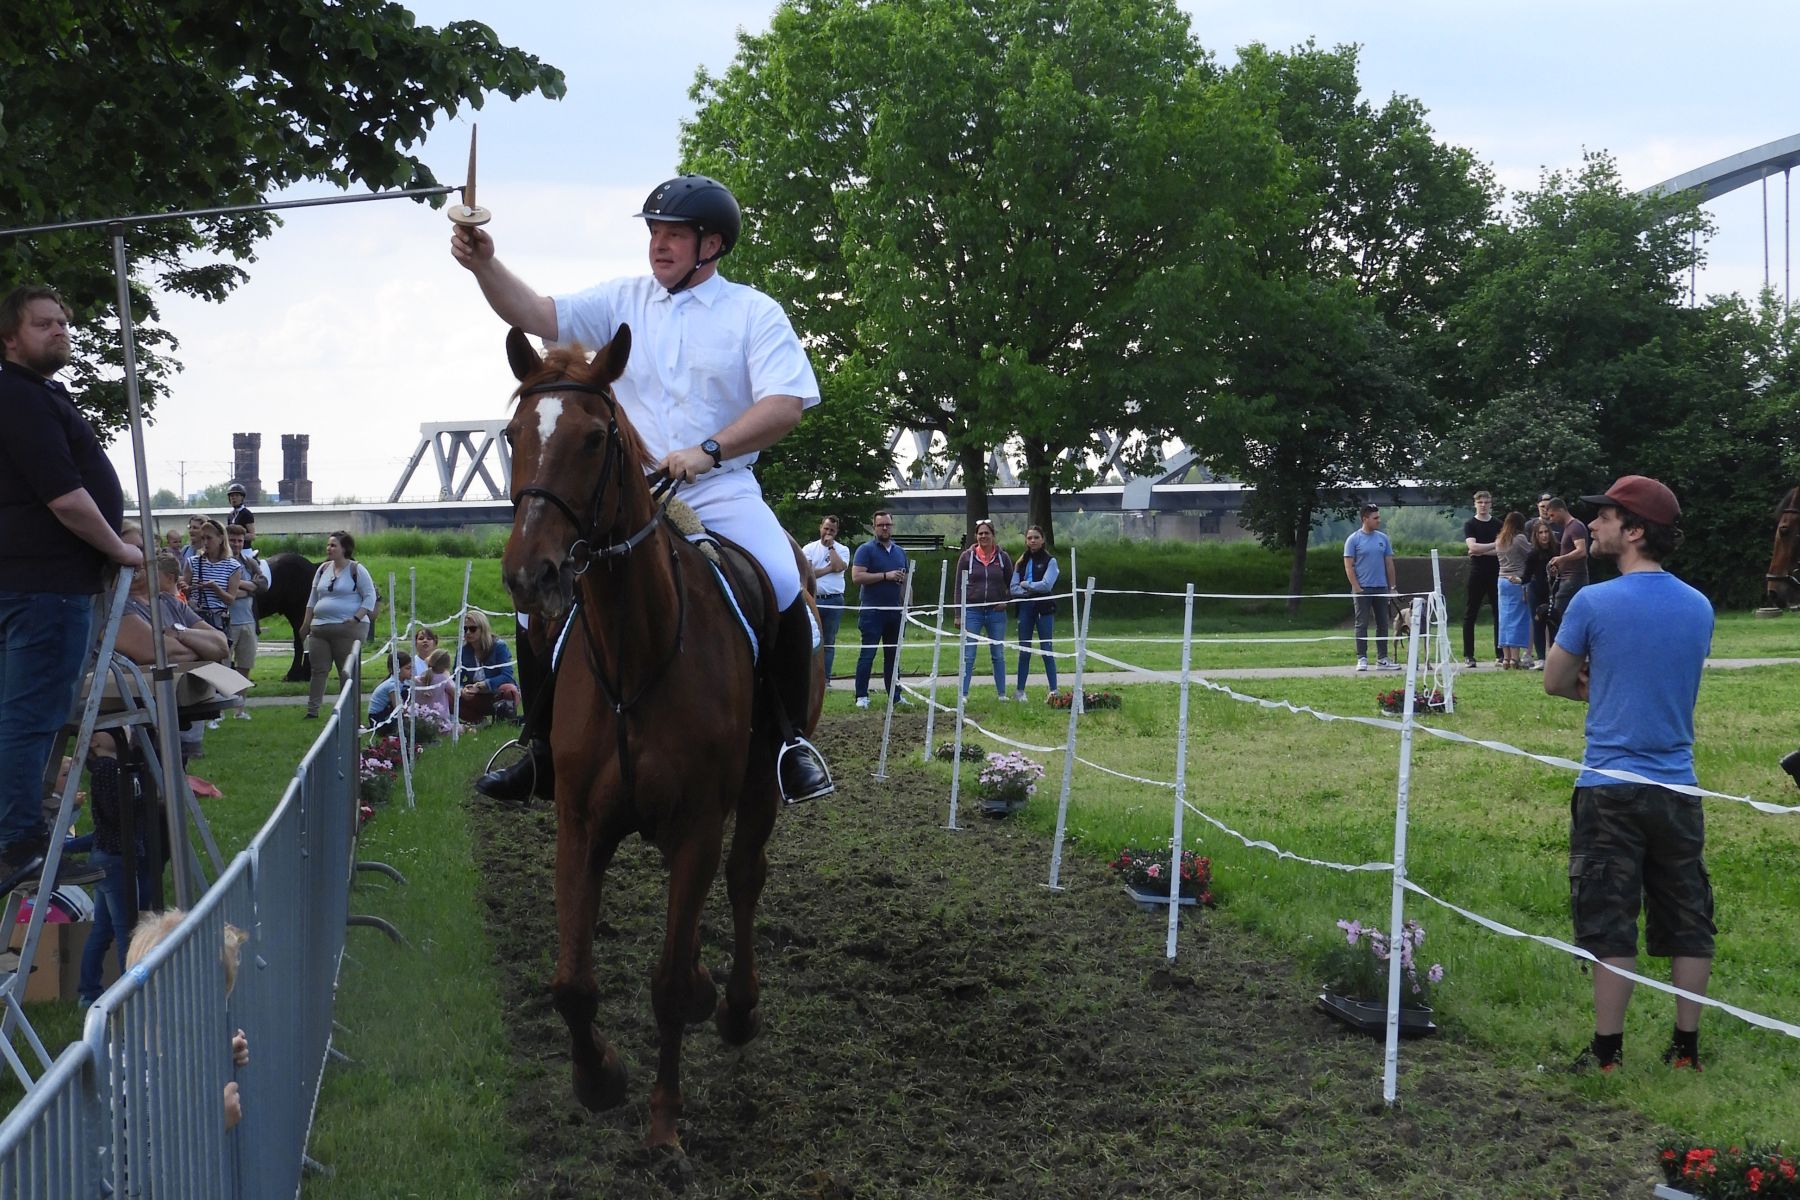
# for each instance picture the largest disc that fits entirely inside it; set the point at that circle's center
(213, 724)
(862, 702)
(243, 714)
(1362, 664)
(1019, 696)
(1004, 697)
(1387, 664)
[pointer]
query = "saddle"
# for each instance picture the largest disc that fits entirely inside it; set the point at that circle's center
(739, 577)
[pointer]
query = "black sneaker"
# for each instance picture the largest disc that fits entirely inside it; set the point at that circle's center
(1678, 1059)
(1590, 1063)
(1471, 663)
(802, 772)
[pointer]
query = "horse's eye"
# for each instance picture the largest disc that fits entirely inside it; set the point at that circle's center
(595, 439)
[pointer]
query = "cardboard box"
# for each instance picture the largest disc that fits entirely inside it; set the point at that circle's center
(57, 973)
(195, 683)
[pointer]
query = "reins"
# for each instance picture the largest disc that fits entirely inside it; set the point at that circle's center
(587, 548)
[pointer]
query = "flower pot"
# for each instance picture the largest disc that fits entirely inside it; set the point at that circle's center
(1156, 901)
(1370, 1016)
(1001, 806)
(1666, 1191)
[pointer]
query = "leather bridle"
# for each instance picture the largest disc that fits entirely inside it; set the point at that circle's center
(587, 548)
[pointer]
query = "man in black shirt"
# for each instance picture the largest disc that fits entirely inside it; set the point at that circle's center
(1479, 532)
(60, 513)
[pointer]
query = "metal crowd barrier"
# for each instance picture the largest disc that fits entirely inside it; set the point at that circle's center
(136, 1107)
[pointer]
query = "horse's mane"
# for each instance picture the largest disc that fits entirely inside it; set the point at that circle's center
(1787, 501)
(571, 362)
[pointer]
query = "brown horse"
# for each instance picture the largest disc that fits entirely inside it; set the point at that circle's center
(662, 726)
(1783, 576)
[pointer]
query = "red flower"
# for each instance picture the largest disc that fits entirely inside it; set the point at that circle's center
(1755, 1176)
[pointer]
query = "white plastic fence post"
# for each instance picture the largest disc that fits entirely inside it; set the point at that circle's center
(962, 700)
(1062, 804)
(462, 615)
(405, 712)
(1181, 732)
(937, 645)
(887, 724)
(1440, 611)
(1397, 903)
(406, 751)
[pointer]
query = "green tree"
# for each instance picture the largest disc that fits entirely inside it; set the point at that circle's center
(1578, 303)
(991, 221)
(1325, 384)
(114, 109)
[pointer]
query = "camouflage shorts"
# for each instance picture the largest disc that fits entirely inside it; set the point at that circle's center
(1632, 846)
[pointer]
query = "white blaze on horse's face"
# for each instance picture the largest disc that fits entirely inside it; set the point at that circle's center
(549, 412)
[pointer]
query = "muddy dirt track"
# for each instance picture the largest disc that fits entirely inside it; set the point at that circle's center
(937, 1024)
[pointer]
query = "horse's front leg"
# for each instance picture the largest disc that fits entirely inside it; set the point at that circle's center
(675, 983)
(581, 861)
(738, 1018)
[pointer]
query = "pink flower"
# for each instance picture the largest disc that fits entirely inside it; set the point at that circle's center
(1154, 870)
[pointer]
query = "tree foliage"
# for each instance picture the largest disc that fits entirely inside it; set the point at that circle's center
(117, 109)
(993, 221)
(1574, 340)
(1325, 384)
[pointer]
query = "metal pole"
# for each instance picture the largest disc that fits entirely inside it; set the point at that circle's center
(406, 752)
(112, 223)
(1765, 204)
(1397, 902)
(1076, 620)
(1181, 736)
(168, 742)
(937, 645)
(1437, 595)
(1062, 804)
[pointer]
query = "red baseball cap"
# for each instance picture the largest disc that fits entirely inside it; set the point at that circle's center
(1641, 496)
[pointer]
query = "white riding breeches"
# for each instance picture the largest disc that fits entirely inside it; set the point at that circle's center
(730, 503)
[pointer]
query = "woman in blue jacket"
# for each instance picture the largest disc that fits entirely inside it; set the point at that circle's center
(1034, 582)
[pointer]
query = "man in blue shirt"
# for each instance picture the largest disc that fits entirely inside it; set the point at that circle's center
(1633, 648)
(61, 510)
(1369, 565)
(879, 569)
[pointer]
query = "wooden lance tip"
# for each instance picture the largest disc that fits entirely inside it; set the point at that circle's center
(469, 212)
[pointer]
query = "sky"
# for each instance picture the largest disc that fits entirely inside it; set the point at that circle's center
(357, 327)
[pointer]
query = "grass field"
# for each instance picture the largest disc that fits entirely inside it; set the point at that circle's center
(1488, 832)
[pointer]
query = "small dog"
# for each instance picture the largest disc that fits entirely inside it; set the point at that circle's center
(1400, 619)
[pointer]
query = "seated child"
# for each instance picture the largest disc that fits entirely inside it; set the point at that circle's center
(391, 693)
(438, 691)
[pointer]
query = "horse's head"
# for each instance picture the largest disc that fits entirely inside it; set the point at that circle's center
(577, 470)
(1783, 575)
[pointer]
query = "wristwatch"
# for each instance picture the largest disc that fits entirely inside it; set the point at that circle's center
(711, 446)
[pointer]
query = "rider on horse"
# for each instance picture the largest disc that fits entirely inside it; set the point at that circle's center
(720, 377)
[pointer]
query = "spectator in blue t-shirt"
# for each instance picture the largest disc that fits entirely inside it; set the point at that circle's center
(879, 569)
(1633, 649)
(1369, 565)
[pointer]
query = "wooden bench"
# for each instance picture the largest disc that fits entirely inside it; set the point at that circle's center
(916, 543)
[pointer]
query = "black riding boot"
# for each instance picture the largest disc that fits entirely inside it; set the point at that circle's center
(799, 767)
(527, 775)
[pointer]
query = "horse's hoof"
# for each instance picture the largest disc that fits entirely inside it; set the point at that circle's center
(670, 1164)
(705, 996)
(736, 1027)
(604, 1087)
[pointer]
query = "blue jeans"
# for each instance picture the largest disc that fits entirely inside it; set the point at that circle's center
(989, 623)
(880, 630)
(831, 615)
(111, 920)
(1041, 625)
(43, 639)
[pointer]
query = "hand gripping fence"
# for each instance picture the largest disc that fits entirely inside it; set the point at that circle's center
(135, 1108)
(1430, 635)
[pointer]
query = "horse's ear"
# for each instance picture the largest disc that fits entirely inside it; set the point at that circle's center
(609, 364)
(520, 356)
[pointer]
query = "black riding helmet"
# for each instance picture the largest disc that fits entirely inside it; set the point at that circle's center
(704, 203)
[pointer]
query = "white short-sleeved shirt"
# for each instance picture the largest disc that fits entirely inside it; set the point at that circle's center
(829, 582)
(699, 358)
